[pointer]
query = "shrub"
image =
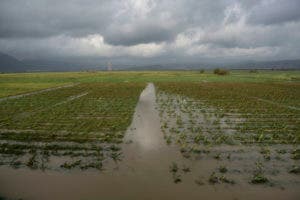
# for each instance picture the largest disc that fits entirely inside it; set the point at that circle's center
(253, 71)
(219, 71)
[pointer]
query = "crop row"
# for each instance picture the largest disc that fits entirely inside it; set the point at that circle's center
(237, 107)
(83, 124)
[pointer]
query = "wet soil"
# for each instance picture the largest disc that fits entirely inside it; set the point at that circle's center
(151, 169)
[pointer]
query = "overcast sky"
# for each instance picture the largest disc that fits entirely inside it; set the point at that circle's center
(154, 29)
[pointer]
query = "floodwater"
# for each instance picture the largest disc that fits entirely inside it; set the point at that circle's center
(143, 172)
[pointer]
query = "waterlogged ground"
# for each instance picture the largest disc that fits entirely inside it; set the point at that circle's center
(79, 126)
(177, 147)
(203, 133)
(235, 129)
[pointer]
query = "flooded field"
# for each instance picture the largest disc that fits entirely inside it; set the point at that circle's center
(152, 141)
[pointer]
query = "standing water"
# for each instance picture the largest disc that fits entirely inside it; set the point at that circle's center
(143, 173)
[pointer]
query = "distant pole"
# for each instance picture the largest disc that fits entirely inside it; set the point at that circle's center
(109, 66)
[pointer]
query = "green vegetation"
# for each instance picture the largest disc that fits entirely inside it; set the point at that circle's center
(236, 121)
(214, 178)
(174, 169)
(258, 175)
(80, 122)
(85, 112)
(17, 83)
(223, 169)
(226, 121)
(259, 178)
(230, 113)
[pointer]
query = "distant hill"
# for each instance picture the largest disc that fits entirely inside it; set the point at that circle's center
(60, 65)
(275, 65)
(10, 64)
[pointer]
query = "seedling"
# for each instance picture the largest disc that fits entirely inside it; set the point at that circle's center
(217, 156)
(223, 169)
(186, 169)
(259, 178)
(173, 168)
(176, 178)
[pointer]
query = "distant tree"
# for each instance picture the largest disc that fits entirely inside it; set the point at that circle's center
(201, 71)
(253, 71)
(219, 71)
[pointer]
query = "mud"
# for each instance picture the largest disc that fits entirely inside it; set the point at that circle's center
(146, 170)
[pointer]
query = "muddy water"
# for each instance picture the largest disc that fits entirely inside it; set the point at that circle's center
(143, 172)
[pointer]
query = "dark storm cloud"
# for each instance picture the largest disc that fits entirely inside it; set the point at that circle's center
(163, 21)
(150, 28)
(137, 35)
(275, 12)
(45, 18)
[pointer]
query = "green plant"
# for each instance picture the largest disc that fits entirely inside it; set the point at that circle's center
(213, 178)
(177, 178)
(259, 178)
(173, 168)
(223, 169)
(186, 169)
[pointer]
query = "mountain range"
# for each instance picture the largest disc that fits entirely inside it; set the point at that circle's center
(9, 64)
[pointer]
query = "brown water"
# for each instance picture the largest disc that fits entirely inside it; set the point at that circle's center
(143, 172)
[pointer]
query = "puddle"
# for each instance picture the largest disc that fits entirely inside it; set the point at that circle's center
(147, 170)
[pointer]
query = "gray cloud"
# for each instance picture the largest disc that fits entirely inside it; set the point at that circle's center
(139, 34)
(169, 29)
(45, 18)
(275, 12)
